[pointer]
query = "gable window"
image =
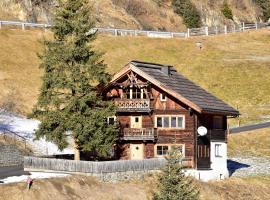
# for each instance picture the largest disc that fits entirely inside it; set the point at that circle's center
(163, 149)
(163, 97)
(170, 121)
(218, 150)
(218, 122)
(111, 120)
(136, 93)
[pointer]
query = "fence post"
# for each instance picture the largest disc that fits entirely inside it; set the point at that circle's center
(234, 28)
(171, 35)
(206, 31)
(23, 26)
(188, 32)
(225, 29)
(243, 26)
(115, 32)
(256, 25)
(0, 24)
(216, 29)
(135, 33)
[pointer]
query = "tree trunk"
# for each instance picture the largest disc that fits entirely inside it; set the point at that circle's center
(77, 153)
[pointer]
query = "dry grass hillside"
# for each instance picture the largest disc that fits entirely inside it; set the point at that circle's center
(251, 143)
(234, 67)
(80, 187)
(143, 14)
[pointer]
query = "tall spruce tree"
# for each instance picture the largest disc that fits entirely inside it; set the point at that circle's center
(69, 104)
(173, 184)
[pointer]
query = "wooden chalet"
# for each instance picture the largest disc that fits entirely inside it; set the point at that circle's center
(158, 109)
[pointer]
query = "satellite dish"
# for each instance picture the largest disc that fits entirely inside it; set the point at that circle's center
(202, 131)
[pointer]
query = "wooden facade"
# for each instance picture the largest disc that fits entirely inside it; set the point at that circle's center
(152, 121)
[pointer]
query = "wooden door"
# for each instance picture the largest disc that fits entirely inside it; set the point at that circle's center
(136, 122)
(203, 153)
(136, 151)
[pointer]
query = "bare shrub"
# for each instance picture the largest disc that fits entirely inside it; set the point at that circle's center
(132, 7)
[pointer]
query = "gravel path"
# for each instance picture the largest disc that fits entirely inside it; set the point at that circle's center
(246, 166)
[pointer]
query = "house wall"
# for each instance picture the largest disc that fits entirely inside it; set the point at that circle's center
(165, 136)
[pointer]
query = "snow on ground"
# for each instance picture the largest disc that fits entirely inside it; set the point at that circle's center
(34, 175)
(26, 128)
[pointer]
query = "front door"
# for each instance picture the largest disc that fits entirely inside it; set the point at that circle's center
(136, 151)
(203, 153)
(136, 122)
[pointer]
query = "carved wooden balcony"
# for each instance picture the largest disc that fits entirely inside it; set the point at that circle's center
(138, 134)
(133, 105)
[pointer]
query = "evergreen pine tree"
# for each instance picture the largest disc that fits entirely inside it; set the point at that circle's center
(173, 184)
(227, 11)
(69, 104)
(188, 11)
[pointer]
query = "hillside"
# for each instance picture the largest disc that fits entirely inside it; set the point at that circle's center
(251, 143)
(233, 67)
(139, 14)
(80, 187)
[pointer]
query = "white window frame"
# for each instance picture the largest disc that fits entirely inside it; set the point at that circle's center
(161, 94)
(108, 119)
(170, 118)
(169, 149)
(131, 93)
(218, 150)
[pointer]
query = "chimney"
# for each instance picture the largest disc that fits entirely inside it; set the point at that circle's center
(166, 69)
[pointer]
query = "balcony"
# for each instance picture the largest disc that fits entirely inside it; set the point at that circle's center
(139, 134)
(133, 105)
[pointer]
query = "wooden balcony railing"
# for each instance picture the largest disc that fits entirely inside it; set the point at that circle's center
(139, 134)
(133, 105)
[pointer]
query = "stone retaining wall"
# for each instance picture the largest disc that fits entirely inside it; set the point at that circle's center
(10, 156)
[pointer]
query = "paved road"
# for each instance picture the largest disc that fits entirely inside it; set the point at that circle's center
(11, 171)
(249, 127)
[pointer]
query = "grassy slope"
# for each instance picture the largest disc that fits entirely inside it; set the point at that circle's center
(253, 143)
(79, 187)
(233, 67)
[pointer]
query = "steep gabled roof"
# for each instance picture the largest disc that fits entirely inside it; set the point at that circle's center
(168, 79)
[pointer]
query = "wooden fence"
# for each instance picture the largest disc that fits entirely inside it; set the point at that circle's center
(203, 31)
(92, 166)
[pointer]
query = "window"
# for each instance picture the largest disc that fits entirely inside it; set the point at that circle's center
(162, 150)
(218, 122)
(111, 120)
(218, 150)
(163, 97)
(136, 119)
(173, 122)
(167, 121)
(136, 93)
(159, 122)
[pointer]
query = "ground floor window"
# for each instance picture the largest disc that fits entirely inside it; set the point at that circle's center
(163, 149)
(218, 150)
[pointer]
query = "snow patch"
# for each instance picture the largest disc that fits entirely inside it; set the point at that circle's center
(26, 128)
(34, 175)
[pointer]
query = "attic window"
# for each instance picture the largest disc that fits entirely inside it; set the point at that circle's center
(163, 97)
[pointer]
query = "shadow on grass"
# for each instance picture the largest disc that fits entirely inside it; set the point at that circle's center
(233, 166)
